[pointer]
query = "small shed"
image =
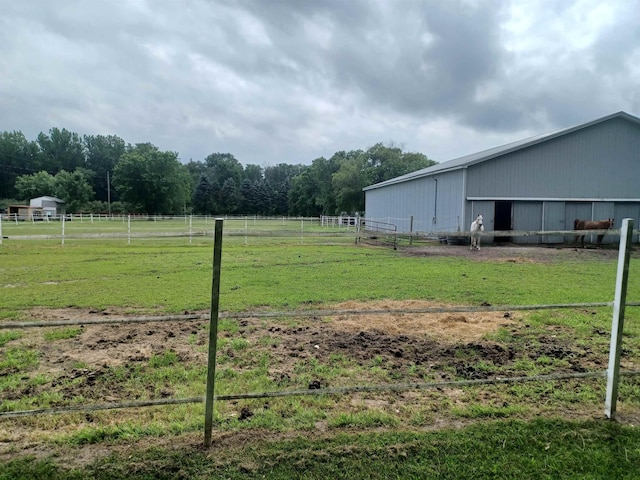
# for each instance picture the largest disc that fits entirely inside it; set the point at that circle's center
(51, 206)
(24, 212)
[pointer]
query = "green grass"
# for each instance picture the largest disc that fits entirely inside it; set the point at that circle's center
(8, 335)
(361, 440)
(62, 333)
(169, 276)
(541, 449)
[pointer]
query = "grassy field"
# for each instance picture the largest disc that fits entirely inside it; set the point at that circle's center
(545, 429)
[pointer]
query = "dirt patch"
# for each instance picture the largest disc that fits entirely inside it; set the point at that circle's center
(396, 346)
(461, 327)
(516, 253)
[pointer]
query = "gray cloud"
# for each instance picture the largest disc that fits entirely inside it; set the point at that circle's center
(288, 81)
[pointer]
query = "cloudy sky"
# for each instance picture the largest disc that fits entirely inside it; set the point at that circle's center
(274, 81)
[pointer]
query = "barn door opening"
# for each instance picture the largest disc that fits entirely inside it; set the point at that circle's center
(502, 219)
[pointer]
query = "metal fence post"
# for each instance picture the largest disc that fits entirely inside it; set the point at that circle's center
(213, 332)
(617, 323)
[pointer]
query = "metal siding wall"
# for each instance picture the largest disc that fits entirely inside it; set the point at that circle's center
(399, 202)
(527, 216)
(554, 219)
(396, 203)
(601, 161)
(450, 198)
(627, 210)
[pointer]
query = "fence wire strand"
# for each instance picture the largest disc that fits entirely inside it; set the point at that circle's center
(197, 317)
(398, 387)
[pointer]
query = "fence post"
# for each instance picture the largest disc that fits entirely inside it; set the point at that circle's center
(213, 332)
(617, 323)
(411, 230)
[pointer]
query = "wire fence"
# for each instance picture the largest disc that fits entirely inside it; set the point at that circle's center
(618, 305)
(309, 392)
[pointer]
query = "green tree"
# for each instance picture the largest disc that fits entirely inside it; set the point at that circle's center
(230, 199)
(313, 192)
(74, 188)
(18, 156)
(278, 184)
(102, 155)
(196, 170)
(223, 166)
(348, 183)
(301, 196)
(35, 185)
(253, 173)
(151, 181)
(263, 197)
(61, 150)
(249, 197)
(377, 164)
(204, 197)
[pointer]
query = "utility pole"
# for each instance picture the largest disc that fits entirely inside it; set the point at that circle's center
(109, 192)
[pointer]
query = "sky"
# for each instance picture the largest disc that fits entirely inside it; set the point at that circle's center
(288, 81)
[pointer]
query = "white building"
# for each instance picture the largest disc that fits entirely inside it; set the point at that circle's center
(51, 206)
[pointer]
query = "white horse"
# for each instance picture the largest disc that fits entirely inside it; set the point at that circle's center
(476, 227)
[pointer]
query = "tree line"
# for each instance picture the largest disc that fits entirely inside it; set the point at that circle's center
(103, 173)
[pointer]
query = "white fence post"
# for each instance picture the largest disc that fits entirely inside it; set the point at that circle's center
(617, 323)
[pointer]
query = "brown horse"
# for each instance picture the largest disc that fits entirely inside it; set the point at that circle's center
(592, 225)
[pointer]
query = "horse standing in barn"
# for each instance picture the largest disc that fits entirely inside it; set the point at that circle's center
(592, 225)
(476, 228)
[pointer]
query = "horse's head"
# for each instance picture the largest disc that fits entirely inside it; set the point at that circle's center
(479, 220)
(611, 223)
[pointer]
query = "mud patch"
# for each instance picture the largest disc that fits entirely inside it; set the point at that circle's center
(303, 353)
(512, 253)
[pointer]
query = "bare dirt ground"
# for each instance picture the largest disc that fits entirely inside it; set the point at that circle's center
(439, 345)
(508, 252)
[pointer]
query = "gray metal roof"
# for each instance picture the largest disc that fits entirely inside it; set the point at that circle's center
(464, 162)
(49, 199)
